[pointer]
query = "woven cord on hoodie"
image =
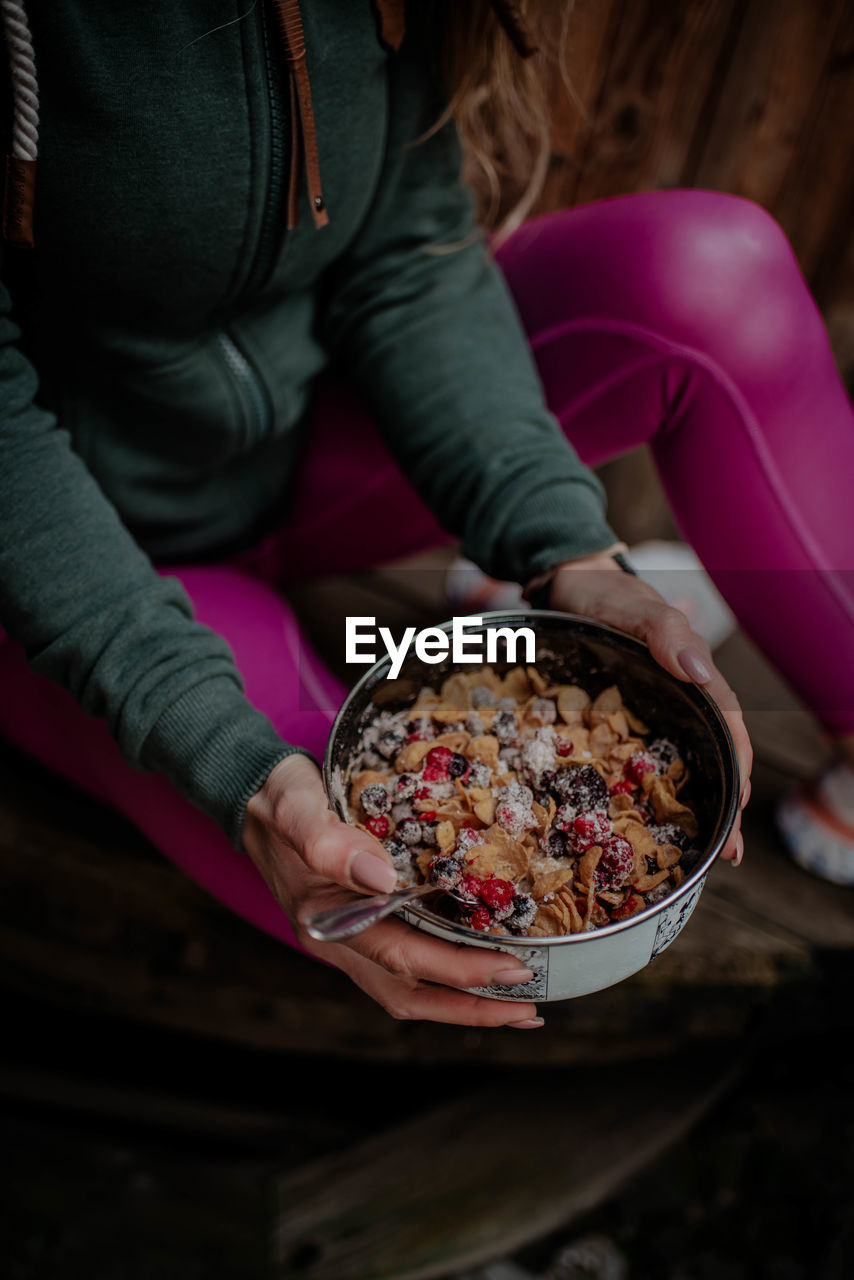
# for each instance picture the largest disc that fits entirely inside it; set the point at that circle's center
(21, 163)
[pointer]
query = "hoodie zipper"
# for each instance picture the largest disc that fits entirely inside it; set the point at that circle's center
(273, 217)
(250, 389)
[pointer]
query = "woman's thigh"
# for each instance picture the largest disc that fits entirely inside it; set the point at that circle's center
(680, 320)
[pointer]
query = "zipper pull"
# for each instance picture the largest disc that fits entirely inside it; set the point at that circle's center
(303, 133)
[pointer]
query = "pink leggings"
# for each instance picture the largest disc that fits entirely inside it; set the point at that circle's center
(677, 319)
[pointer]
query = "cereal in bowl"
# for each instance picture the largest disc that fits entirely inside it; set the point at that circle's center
(539, 810)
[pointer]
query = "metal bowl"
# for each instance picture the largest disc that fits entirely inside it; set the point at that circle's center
(572, 649)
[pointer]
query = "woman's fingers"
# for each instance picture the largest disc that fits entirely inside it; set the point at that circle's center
(292, 808)
(408, 953)
(349, 857)
(634, 606)
(413, 999)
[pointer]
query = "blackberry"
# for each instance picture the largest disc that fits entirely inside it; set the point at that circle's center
(480, 775)
(556, 844)
(390, 742)
(583, 786)
(399, 854)
(668, 833)
(374, 799)
(516, 793)
(663, 752)
(524, 910)
(457, 765)
(428, 832)
(504, 727)
(445, 872)
(409, 831)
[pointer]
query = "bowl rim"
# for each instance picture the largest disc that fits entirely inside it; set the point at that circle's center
(462, 932)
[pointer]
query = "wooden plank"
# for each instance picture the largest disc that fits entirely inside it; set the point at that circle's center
(655, 96)
(816, 206)
(585, 57)
(763, 102)
(489, 1173)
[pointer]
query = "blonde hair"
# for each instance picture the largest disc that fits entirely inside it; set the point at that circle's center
(502, 103)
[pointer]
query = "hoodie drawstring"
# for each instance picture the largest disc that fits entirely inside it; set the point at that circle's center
(19, 194)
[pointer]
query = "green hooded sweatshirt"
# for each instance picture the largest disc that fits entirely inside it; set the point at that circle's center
(158, 348)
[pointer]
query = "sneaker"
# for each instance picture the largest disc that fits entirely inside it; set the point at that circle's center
(816, 822)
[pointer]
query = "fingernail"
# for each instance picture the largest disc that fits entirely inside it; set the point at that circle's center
(691, 662)
(739, 850)
(507, 977)
(529, 1022)
(372, 872)
(745, 795)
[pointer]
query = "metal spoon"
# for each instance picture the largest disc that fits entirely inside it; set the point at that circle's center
(342, 922)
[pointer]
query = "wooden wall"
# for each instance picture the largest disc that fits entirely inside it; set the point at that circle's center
(754, 97)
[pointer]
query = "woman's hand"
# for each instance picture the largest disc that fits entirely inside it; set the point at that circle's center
(313, 861)
(597, 587)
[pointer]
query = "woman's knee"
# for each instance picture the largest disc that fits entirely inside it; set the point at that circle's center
(701, 269)
(723, 279)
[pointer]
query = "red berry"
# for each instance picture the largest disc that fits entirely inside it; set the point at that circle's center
(428, 815)
(470, 887)
(621, 788)
(590, 825)
(414, 737)
(377, 826)
(497, 893)
(423, 793)
(618, 858)
(563, 747)
(480, 919)
(436, 764)
(637, 765)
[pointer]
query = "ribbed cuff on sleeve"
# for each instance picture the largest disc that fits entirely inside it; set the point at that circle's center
(217, 750)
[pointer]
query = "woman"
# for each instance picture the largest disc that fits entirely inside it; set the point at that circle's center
(255, 306)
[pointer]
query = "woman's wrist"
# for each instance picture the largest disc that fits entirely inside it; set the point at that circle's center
(538, 590)
(268, 808)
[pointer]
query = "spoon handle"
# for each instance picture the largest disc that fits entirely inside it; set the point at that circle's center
(343, 922)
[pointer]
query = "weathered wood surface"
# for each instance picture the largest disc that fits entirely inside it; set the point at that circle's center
(755, 98)
(489, 1172)
(92, 918)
